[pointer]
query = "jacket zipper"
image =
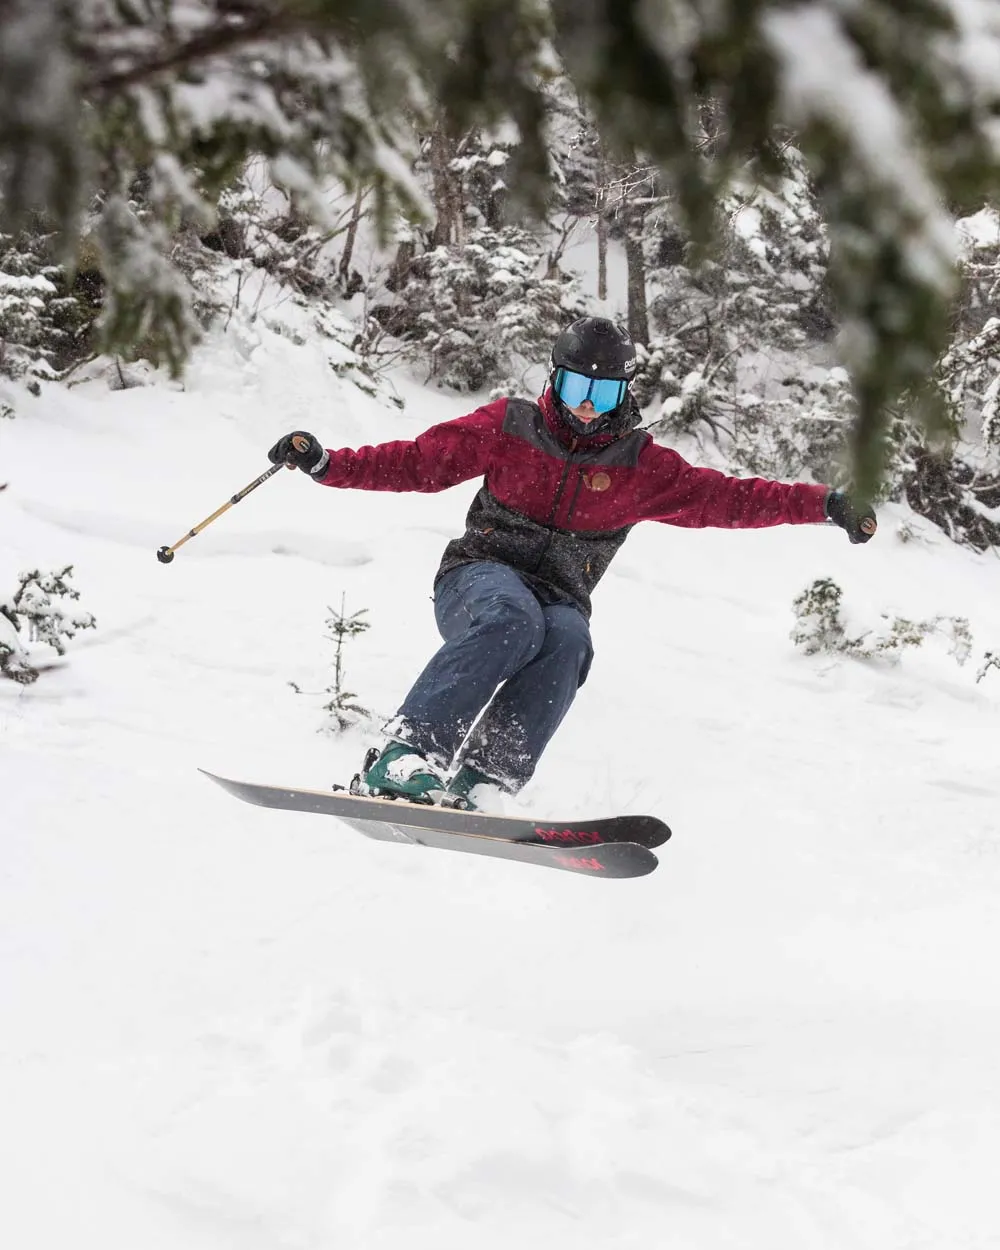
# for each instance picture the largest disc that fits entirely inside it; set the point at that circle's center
(576, 496)
(562, 484)
(555, 503)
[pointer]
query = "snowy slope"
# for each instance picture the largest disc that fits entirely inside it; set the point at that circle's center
(227, 1027)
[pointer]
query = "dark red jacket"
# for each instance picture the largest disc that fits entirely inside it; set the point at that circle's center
(557, 507)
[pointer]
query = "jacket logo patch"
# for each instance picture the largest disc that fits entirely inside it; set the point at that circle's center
(598, 481)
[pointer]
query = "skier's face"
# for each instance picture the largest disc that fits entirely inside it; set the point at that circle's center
(586, 412)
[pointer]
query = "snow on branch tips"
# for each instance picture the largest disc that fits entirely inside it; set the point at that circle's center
(35, 615)
(821, 629)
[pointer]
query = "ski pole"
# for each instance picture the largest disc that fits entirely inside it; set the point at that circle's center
(166, 554)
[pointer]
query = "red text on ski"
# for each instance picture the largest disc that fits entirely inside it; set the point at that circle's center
(579, 837)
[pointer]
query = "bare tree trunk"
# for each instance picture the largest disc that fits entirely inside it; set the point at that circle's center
(602, 226)
(602, 250)
(344, 271)
(638, 316)
(446, 190)
(554, 258)
(400, 271)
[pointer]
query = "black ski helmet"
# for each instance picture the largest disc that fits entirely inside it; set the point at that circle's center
(597, 347)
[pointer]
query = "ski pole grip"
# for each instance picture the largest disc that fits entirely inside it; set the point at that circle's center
(300, 443)
(868, 525)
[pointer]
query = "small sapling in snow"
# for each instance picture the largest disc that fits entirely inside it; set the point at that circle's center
(342, 706)
(35, 614)
(820, 629)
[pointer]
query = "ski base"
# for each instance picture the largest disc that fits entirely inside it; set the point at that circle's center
(614, 846)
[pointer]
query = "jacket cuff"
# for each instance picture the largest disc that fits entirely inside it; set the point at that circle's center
(821, 497)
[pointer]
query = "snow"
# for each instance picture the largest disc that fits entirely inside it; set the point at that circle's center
(222, 1026)
(23, 283)
(979, 230)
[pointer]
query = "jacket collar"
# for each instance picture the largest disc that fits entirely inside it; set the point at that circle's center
(566, 436)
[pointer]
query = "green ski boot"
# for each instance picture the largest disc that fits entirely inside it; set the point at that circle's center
(474, 792)
(402, 772)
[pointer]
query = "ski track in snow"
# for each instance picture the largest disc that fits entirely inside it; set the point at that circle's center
(124, 530)
(222, 1026)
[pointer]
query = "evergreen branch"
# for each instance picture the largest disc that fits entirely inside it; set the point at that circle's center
(231, 37)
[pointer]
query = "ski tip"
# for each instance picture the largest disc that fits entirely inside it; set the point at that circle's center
(225, 782)
(241, 789)
(648, 831)
(611, 860)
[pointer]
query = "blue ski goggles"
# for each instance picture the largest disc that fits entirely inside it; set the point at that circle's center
(604, 393)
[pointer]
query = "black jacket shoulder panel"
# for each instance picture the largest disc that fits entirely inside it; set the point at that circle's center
(525, 420)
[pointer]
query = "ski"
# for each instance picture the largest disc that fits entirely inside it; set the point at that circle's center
(612, 846)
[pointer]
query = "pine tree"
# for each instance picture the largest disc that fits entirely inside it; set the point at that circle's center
(35, 614)
(740, 337)
(40, 322)
(952, 479)
(483, 299)
(481, 311)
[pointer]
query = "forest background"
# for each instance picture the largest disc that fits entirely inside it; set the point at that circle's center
(804, 197)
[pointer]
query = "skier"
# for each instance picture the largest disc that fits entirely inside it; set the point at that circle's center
(564, 480)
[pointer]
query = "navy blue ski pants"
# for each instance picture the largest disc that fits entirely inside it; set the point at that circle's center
(497, 634)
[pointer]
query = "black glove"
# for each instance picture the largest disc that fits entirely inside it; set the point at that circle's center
(299, 450)
(851, 515)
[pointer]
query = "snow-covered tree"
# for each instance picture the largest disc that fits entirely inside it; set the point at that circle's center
(820, 629)
(894, 107)
(953, 478)
(740, 338)
(35, 614)
(155, 105)
(481, 311)
(260, 222)
(968, 374)
(39, 319)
